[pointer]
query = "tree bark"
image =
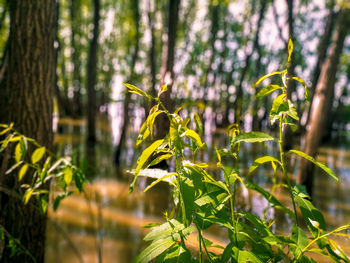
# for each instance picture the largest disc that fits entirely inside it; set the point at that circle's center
(76, 56)
(256, 46)
(167, 71)
(92, 75)
(323, 95)
(322, 52)
(288, 136)
(121, 144)
(31, 81)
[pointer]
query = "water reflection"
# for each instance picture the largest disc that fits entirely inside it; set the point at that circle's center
(105, 224)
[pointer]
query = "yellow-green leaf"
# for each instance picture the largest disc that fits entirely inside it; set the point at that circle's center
(38, 154)
(160, 158)
(262, 160)
(266, 76)
(67, 175)
(136, 90)
(302, 82)
(195, 137)
(18, 152)
(290, 49)
(252, 137)
(319, 164)
(162, 89)
(22, 172)
(267, 90)
(27, 195)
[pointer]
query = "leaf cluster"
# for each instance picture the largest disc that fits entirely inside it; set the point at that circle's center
(201, 201)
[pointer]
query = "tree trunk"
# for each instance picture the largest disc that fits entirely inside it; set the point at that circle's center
(322, 52)
(167, 71)
(239, 93)
(76, 57)
(31, 81)
(92, 76)
(120, 145)
(323, 95)
(287, 131)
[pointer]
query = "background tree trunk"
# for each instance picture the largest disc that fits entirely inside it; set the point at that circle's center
(30, 81)
(92, 76)
(121, 144)
(322, 52)
(323, 95)
(288, 136)
(75, 11)
(167, 71)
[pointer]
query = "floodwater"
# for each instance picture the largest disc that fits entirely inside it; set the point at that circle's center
(105, 223)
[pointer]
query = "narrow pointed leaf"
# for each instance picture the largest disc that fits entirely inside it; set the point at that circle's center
(22, 171)
(266, 76)
(267, 90)
(290, 49)
(38, 154)
(146, 154)
(319, 164)
(302, 82)
(252, 137)
(155, 249)
(136, 90)
(262, 160)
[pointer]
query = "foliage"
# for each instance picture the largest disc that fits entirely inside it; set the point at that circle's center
(35, 166)
(202, 201)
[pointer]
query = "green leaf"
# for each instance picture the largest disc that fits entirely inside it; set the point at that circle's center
(67, 175)
(162, 89)
(187, 191)
(270, 198)
(59, 198)
(27, 195)
(266, 76)
(146, 154)
(195, 137)
(159, 180)
(160, 158)
(247, 256)
(198, 122)
(22, 171)
(300, 239)
(279, 106)
(158, 173)
(38, 154)
(164, 230)
(311, 216)
(290, 49)
(338, 250)
(292, 111)
(136, 90)
(18, 152)
(267, 90)
(252, 137)
(5, 130)
(319, 164)
(302, 82)
(262, 160)
(155, 249)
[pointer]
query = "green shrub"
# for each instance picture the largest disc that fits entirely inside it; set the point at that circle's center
(201, 201)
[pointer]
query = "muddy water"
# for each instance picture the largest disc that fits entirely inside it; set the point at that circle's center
(105, 224)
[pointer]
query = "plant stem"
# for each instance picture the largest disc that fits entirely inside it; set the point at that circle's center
(284, 169)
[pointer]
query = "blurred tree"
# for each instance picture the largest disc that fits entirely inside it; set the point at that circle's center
(91, 78)
(30, 82)
(323, 98)
(76, 21)
(167, 66)
(136, 41)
